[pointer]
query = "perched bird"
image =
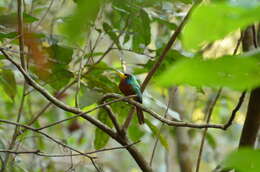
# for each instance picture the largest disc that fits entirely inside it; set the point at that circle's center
(129, 86)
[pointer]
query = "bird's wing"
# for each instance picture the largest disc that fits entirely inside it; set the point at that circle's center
(137, 88)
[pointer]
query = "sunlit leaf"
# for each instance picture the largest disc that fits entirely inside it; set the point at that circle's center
(79, 22)
(101, 138)
(156, 134)
(8, 35)
(8, 82)
(243, 160)
(88, 97)
(216, 20)
(237, 72)
(134, 131)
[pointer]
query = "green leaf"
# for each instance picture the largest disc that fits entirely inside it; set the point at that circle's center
(216, 20)
(93, 54)
(101, 138)
(8, 82)
(171, 57)
(236, 72)
(78, 23)
(28, 18)
(211, 140)
(164, 21)
(11, 19)
(8, 35)
(155, 131)
(100, 82)
(244, 160)
(134, 131)
(61, 54)
(60, 77)
(109, 30)
(121, 109)
(88, 96)
(142, 31)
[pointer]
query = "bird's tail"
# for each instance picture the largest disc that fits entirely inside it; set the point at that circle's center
(140, 115)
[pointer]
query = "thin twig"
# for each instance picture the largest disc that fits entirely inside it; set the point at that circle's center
(208, 114)
(57, 102)
(44, 15)
(51, 138)
(159, 61)
(234, 111)
(166, 49)
(20, 32)
(39, 153)
(44, 134)
(78, 115)
(16, 130)
(173, 122)
(160, 130)
(22, 59)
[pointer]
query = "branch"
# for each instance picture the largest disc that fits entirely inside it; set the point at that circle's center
(46, 135)
(44, 15)
(78, 115)
(159, 132)
(166, 121)
(57, 102)
(234, 111)
(39, 153)
(159, 61)
(20, 32)
(209, 113)
(167, 48)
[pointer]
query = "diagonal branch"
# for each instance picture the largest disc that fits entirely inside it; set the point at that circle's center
(57, 102)
(159, 61)
(166, 49)
(139, 159)
(173, 122)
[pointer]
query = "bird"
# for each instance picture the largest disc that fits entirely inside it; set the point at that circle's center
(129, 86)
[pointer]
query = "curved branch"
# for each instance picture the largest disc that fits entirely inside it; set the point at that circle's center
(176, 122)
(123, 141)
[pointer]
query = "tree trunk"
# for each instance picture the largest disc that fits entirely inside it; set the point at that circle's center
(182, 138)
(252, 121)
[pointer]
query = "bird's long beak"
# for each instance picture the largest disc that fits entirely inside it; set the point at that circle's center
(121, 74)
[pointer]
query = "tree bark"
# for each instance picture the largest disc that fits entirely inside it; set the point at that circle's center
(182, 138)
(252, 121)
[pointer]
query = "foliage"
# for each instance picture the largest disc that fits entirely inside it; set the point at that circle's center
(236, 72)
(73, 48)
(245, 159)
(231, 15)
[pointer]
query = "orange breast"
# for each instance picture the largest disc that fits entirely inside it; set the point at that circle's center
(125, 88)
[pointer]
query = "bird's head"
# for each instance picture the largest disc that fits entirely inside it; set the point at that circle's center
(124, 75)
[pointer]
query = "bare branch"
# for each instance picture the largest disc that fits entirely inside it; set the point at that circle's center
(161, 127)
(57, 102)
(44, 15)
(44, 134)
(78, 115)
(234, 111)
(166, 49)
(159, 61)
(39, 153)
(176, 123)
(209, 112)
